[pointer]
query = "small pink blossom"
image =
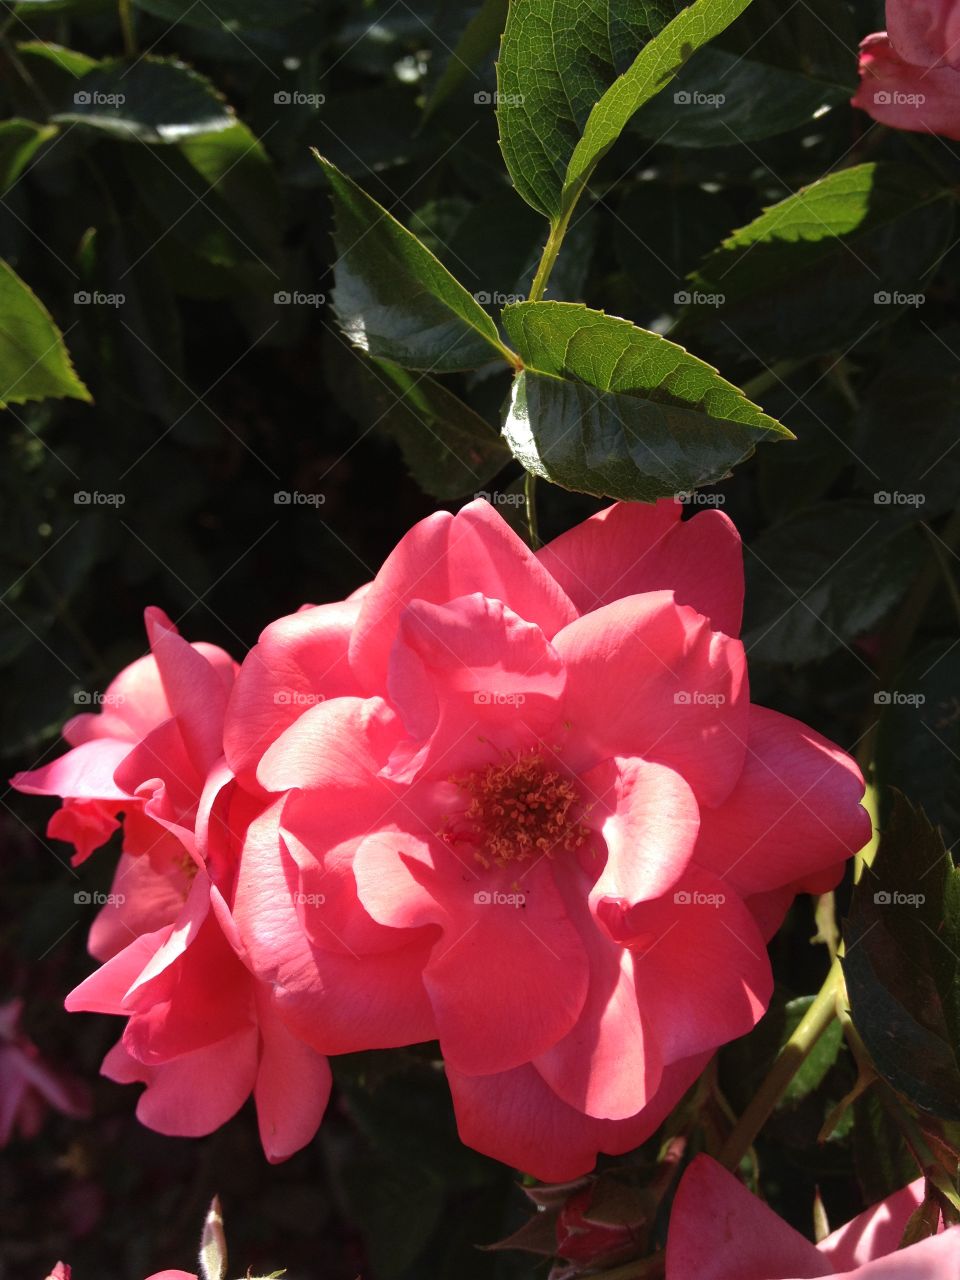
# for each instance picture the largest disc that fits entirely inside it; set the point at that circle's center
(521, 803)
(719, 1231)
(201, 1033)
(910, 73)
(28, 1086)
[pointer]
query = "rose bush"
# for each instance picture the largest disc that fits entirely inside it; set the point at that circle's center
(518, 803)
(719, 1231)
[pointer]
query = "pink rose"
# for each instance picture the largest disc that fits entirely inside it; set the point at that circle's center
(522, 803)
(910, 73)
(146, 755)
(719, 1231)
(27, 1084)
(201, 1033)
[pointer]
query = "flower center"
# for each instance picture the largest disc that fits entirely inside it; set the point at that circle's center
(518, 809)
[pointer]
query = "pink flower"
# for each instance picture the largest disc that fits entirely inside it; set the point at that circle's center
(719, 1231)
(910, 74)
(27, 1085)
(201, 1033)
(146, 755)
(523, 804)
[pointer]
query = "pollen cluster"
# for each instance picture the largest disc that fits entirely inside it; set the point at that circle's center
(518, 809)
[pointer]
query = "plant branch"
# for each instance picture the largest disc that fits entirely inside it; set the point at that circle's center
(788, 1062)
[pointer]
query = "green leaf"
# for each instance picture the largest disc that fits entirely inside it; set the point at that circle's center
(819, 579)
(34, 361)
(394, 299)
(450, 451)
(150, 100)
(570, 77)
(71, 61)
(606, 408)
(902, 962)
(216, 194)
(775, 69)
(653, 69)
(822, 268)
(918, 742)
(19, 142)
(479, 37)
